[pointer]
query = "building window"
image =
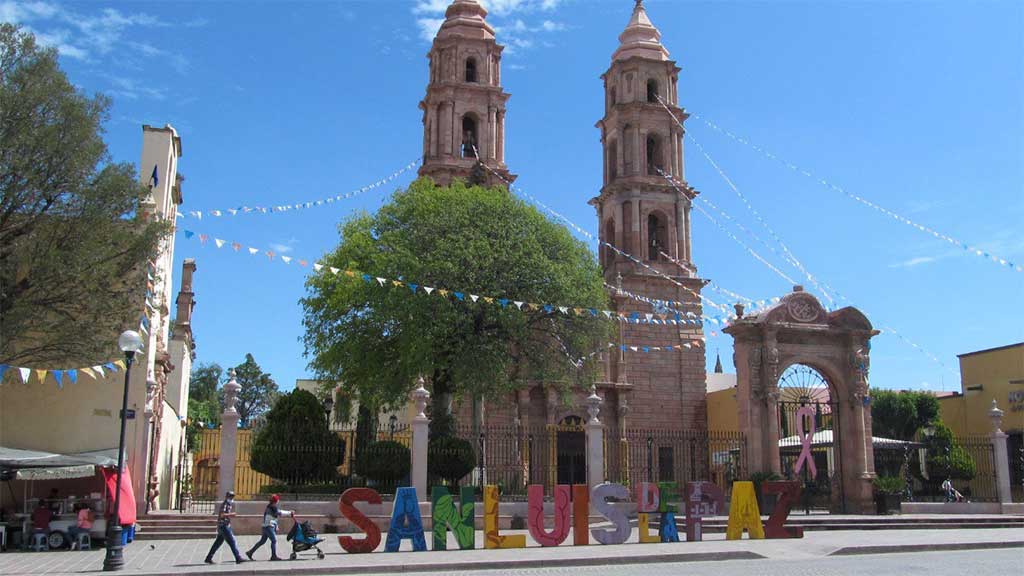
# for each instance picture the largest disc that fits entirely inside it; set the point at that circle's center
(609, 237)
(613, 160)
(614, 96)
(654, 161)
(469, 137)
(657, 239)
(471, 70)
(666, 464)
(652, 90)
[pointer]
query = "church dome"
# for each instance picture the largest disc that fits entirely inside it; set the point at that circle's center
(640, 38)
(465, 19)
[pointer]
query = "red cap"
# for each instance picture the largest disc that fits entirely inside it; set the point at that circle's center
(274, 499)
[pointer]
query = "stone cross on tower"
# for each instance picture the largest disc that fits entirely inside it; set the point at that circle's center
(464, 109)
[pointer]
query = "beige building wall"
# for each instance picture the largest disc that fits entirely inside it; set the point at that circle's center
(84, 416)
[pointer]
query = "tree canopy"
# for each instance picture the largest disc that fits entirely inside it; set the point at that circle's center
(295, 445)
(72, 247)
(204, 400)
(899, 415)
(258, 393)
(376, 339)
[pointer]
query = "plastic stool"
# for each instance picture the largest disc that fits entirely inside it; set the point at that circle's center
(84, 541)
(40, 542)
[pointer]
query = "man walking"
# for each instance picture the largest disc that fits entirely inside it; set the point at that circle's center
(270, 516)
(224, 532)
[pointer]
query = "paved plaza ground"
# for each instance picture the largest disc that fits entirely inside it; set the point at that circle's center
(186, 556)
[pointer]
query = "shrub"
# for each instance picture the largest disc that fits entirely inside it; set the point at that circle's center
(385, 461)
(295, 446)
(450, 458)
(889, 485)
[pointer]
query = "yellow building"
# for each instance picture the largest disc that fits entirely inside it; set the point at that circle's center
(987, 375)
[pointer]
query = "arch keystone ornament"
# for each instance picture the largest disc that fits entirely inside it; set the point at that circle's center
(836, 344)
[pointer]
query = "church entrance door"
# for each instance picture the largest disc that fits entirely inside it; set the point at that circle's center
(571, 452)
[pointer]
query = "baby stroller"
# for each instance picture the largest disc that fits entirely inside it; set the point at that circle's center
(303, 537)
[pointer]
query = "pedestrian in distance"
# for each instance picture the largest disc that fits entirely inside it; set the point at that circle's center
(224, 532)
(269, 530)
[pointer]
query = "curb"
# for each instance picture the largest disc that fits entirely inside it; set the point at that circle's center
(450, 567)
(897, 548)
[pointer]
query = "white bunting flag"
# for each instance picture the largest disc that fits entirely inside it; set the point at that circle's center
(287, 259)
(218, 242)
(563, 309)
(317, 267)
(428, 290)
(25, 374)
(334, 270)
(254, 251)
(381, 281)
(473, 297)
(519, 304)
(99, 370)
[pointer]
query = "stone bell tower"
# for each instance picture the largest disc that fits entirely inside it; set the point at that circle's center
(464, 109)
(642, 214)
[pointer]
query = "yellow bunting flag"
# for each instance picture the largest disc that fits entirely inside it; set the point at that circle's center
(41, 374)
(89, 372)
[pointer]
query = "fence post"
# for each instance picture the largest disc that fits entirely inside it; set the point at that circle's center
(595, 441)
(1000, 458)
(228, 437)
(420, 432)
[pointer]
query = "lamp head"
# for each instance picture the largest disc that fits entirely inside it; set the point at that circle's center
(129, 342)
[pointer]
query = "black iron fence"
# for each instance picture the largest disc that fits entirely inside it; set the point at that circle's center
(680, 456)
(918, 468)
(513, 457)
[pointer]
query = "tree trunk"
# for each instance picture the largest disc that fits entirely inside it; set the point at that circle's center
(442, 423)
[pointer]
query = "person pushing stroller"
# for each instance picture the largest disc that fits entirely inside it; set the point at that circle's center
(269, 530)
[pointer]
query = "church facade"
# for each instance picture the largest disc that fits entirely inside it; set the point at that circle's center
(639, 213)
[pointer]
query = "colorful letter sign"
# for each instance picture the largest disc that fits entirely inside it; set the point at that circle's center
(349, 511)
(702, 499)
(406, 522)
(492, 539)
(535, 514)
(617, 517)
(580, 515)
(789, 493)
(744, 513)
(460, 520)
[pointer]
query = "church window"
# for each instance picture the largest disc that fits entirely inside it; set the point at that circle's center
(471, 70)
(654, 160)
(652, 90)
(657, 237)
(609, 237)
(613, 99)
(627, 148)
(613, 160)
(469, 140)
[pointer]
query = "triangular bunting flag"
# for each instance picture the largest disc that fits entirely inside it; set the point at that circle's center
(442, 291)
(73, 376)
(270, 254)
(413, 287)
(303, 263)
(503, 302)
(287, 259)
(428, 290)
(3, 368)
(563, 309)
(633, 348)
(41, 374)
(318, 267)
(90, 372)
(110, 366)
(489, 300)
(189, 234)
(459, 296)
(99, 371)
(397, 283)
(120, 364)
(518, 304)
(25, 373)
(381, 281)
(253, 251)
(333, 269)
(474, 297)
(58, 375)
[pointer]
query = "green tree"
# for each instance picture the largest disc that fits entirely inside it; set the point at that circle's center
(376, 339)
(204, 400)
(946, 457)
(73, 246)
(258, 393)
(295, 445)
(899, 415)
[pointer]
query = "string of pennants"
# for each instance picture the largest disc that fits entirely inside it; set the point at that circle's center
(829, 185)
(579, 362)
(95, 372)
(704, 299)
(198, 214)
(751, 303)
(677, 319)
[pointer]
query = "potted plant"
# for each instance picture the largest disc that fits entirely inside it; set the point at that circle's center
(888, 490)
(765, 504)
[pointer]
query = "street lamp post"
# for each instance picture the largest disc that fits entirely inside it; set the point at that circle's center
(328, 408)
(129, 342)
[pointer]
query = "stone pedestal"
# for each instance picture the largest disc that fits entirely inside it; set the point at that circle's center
(420, 434)
(595, 442)
(1000, 458)
(228, 436)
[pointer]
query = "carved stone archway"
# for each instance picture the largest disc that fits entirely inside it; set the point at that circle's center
(798, 330)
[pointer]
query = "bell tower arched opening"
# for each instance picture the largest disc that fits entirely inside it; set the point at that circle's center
(469, 140)
(471, 75)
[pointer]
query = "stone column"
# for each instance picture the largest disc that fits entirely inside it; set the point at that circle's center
(492, 133)
(228, 436)
(680, 230)
(687, 230)
(420, 432)
(1000, 458)
(501, 136)
(595, 441)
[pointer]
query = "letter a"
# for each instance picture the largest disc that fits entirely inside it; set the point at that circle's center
(349, 511)
(744, 513)
(535, 514)
(460, 521)
(406, 522)
(492, 539)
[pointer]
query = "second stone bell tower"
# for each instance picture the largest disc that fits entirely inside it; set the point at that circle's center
(464, 108)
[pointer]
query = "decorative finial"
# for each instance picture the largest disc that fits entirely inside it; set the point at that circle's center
(420, 395)
(593, 406)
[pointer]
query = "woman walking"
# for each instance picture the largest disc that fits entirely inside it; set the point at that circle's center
(269, 532)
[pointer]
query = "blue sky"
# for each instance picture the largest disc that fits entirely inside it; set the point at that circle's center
(918, 106)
